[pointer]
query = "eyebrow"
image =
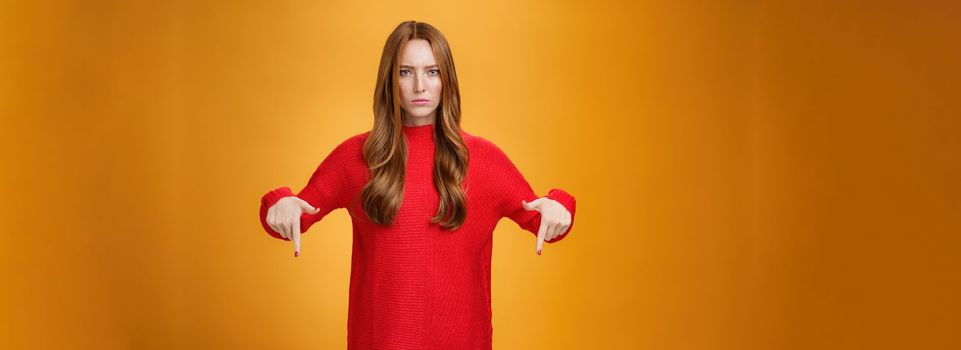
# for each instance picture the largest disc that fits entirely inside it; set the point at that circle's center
(406, 66)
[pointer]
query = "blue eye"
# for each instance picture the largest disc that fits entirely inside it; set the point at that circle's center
(404, 72)
(435, 71)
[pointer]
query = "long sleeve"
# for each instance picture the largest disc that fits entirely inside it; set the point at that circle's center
(512, 187)
(326, 190)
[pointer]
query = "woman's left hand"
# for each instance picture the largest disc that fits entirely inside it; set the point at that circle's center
(555, 219)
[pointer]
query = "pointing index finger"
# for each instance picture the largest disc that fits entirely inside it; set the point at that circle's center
(541, 233)
(296, 238)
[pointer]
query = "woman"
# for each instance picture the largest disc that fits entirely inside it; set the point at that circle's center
(424, 197)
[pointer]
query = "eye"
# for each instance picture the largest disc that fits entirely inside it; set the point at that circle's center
(434, 71)
(405, 72)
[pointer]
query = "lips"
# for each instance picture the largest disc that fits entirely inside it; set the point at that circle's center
(420, 100)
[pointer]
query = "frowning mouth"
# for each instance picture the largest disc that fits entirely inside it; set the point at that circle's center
(420, 101)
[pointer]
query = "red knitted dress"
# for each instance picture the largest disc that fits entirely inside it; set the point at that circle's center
(414, 284)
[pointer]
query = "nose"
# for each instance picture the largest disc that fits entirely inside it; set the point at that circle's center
(419, 84)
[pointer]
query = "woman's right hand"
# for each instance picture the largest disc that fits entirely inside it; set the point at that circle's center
(284, 218)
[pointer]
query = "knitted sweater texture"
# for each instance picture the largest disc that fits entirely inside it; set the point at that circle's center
(415, 284)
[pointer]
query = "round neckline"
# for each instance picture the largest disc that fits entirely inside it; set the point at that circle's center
(420, 129)
(419, 134)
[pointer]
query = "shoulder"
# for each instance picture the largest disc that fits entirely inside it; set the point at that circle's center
(473, 141)
(350, 148)
(483, 149)
(355, 142)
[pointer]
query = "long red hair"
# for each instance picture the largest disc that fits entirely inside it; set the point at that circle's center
(386, 149)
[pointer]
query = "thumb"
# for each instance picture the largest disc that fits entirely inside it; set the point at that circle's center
(532, 205)
(309, 209)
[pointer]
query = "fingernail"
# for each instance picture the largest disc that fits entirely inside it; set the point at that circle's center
(296, 254)
(538, 252)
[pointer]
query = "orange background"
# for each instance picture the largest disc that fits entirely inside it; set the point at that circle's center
(749, 175)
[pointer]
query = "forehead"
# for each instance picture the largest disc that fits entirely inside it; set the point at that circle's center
(417, 53)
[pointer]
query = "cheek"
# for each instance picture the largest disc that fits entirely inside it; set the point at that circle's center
(405, 88)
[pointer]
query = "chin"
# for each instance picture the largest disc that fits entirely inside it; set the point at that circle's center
(420, 112)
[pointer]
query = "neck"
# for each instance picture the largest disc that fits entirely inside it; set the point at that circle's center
(420, 121)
